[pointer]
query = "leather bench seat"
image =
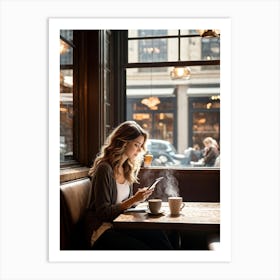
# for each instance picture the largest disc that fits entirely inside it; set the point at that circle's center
(73, 202)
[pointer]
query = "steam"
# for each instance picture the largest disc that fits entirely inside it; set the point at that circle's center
(171, 186)
(167, 187)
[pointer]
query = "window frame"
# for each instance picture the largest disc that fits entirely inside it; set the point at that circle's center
(89, 104)
(66, 66)
(88, 89)
(205, 64)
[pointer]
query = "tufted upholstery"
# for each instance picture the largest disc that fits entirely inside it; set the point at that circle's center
(73, 202)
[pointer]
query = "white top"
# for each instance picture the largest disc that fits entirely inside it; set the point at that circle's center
(122, 194)
(122, 191)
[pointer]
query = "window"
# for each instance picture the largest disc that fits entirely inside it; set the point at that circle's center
(184, 111)
(108, 76)
(210, 50)
(91, 95)
(204, 116)
(157, 118)
(66, 95)
(154, 49)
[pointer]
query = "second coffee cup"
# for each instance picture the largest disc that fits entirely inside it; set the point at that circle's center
(176, 204)
(154, 205)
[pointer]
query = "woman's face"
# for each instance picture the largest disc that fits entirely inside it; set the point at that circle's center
(206, 144)
(134, 147)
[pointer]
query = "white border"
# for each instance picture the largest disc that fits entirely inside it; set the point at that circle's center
(24, 159)
(55, 24)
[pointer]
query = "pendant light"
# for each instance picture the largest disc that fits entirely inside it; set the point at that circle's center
(180, 72)
(152, 101)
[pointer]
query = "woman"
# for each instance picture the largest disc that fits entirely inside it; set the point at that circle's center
(211, 151)
(113, 173)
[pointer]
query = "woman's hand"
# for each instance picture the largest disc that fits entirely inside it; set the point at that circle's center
(142, 194)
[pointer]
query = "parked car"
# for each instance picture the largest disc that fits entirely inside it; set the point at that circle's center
(164, 153)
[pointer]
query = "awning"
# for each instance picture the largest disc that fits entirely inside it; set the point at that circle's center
(140, 92)
(203, 91)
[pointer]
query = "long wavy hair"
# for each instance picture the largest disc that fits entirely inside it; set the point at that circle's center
(114, 147)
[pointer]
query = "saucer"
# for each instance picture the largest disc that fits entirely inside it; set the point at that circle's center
(154, 214)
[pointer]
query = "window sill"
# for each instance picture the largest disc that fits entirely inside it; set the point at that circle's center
(73, 173)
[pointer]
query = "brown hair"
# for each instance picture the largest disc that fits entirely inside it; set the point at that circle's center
(114, 147)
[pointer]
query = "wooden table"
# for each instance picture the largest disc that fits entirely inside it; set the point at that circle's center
(195, 215)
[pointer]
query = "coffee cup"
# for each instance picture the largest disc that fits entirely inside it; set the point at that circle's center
(176, 204)
(154, 205)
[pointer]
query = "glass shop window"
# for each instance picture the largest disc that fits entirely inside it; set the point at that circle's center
(178, 113)
(66, 95)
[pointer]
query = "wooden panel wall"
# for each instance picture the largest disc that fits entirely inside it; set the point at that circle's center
(192, 184)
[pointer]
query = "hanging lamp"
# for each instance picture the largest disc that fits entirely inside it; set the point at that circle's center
(180, 72)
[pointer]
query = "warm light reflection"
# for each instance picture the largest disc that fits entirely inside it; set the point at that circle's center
(202, 121)
(180, 73)
(151, 102)
(209, 32)
(215, 97)
(140, 117)
(63, 109)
